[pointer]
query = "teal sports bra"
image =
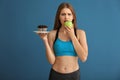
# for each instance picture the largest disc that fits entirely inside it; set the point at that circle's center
(64, 48)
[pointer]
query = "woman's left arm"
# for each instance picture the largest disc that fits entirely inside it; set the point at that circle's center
(80, 44)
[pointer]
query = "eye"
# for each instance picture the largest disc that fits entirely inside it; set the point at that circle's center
(69, 14)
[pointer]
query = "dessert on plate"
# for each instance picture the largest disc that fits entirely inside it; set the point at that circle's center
(42, 28)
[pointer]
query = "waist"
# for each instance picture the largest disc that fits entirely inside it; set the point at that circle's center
(77, 72)
(66, 64)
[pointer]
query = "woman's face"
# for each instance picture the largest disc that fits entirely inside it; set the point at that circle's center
(65, 15)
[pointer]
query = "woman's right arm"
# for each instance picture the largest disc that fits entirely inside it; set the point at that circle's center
(49, 47)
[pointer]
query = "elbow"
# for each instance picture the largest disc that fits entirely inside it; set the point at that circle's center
(51, 62)
(84, 58)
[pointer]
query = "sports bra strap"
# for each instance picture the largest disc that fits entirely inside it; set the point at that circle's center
(56, 36)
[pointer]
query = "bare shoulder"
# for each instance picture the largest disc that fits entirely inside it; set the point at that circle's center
(81, 35)
(80, 32)
(51, 34)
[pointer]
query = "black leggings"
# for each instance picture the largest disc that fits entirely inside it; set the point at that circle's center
(67, 76)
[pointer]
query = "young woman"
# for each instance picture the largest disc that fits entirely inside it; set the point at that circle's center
(65, 45)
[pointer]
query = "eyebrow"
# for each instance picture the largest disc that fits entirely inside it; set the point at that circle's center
(65, 13)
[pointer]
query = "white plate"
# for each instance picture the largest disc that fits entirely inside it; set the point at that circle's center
(41, 31)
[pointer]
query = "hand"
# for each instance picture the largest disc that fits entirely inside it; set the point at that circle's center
(70, 32)
(43, 36)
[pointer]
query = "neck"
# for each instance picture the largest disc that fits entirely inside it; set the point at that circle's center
(63, 30)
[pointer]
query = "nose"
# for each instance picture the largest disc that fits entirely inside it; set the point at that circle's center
(66, 16)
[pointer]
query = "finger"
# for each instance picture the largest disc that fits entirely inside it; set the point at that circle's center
(41, 34)
(67, 28)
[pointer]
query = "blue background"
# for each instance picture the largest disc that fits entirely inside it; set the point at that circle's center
(22, 53)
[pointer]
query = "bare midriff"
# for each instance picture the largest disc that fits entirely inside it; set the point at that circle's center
(66, 64)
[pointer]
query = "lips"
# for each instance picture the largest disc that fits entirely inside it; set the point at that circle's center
(66, 20)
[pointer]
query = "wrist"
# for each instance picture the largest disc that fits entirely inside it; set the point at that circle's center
(45, 40)
(73, 38)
